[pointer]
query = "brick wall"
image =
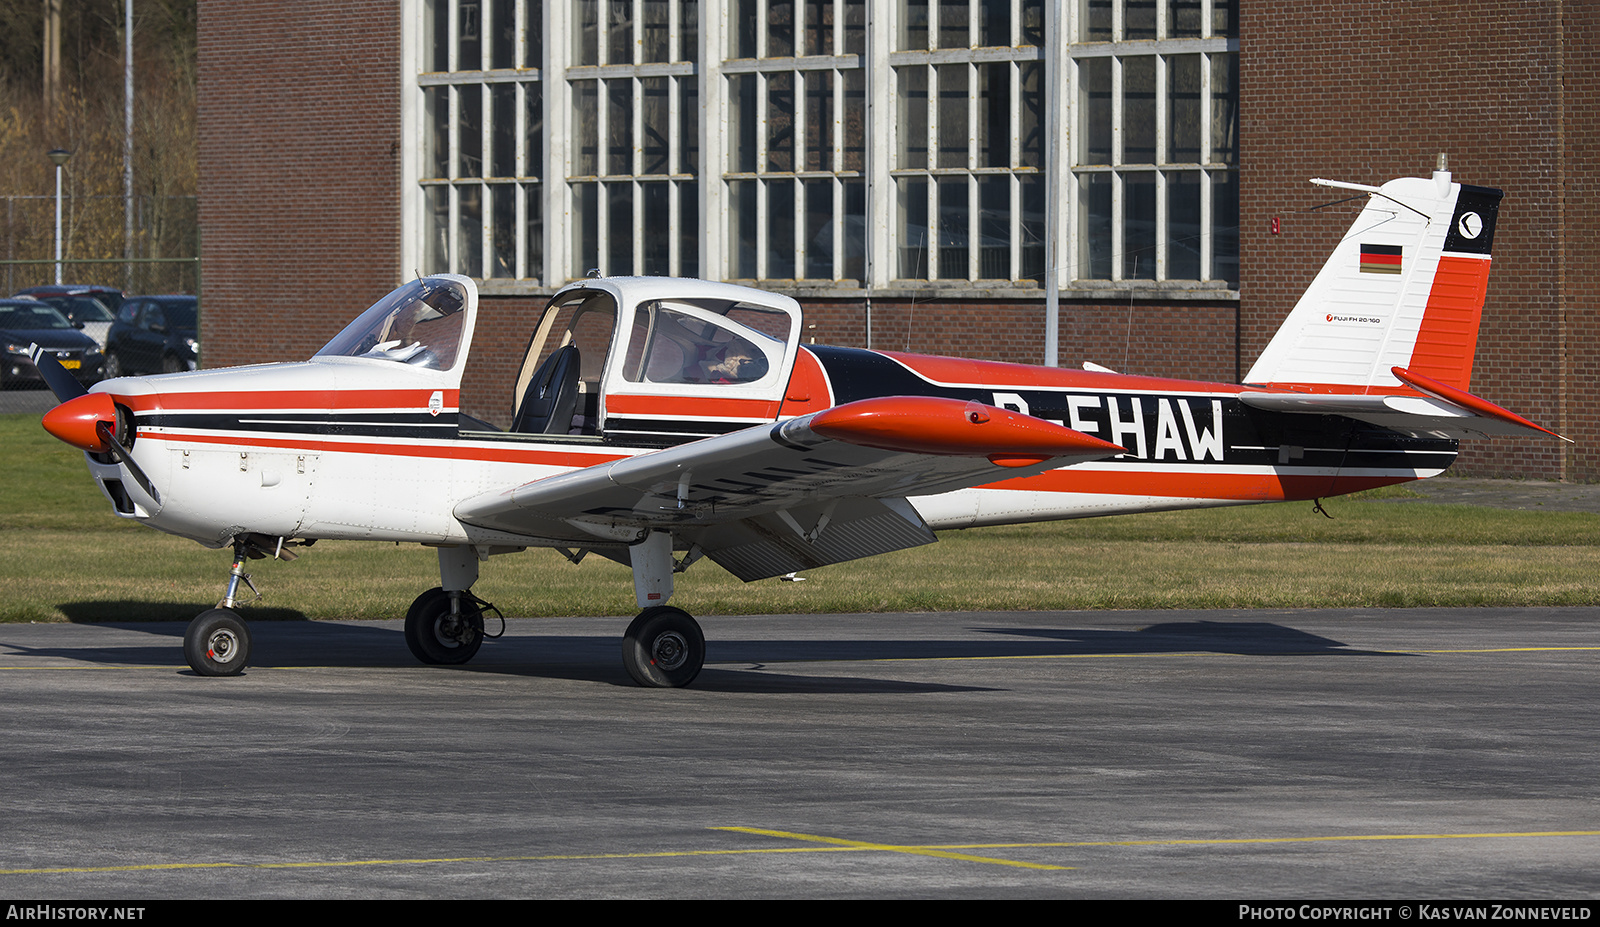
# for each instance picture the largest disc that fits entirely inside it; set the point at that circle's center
(1580, 237)
(1367, 91)
(299, 199)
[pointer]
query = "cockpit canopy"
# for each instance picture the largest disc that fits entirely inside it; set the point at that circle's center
(423, 324)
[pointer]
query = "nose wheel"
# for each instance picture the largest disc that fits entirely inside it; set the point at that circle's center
(217, 643)
(663, 648)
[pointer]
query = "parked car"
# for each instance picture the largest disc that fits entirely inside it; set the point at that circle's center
(154, 334)
(86, 313)
(27, 321)
(109, 295)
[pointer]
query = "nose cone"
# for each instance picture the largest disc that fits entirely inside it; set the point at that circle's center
(74, 421)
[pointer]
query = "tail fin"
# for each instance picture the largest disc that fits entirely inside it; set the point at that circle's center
(1405, 288)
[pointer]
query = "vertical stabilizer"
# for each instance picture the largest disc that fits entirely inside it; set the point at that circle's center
(1404, 288)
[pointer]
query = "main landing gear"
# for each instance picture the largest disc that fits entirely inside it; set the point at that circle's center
(444, 628)
(663, 648)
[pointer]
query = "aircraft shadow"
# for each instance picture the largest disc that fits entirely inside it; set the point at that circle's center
(285, 638)
(1261, 638)
(138, 610)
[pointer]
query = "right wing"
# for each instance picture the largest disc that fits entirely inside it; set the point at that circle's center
(805, 492)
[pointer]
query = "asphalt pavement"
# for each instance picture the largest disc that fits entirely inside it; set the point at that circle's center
(1411, 755)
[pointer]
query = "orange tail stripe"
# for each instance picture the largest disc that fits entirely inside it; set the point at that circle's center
(1448, 336)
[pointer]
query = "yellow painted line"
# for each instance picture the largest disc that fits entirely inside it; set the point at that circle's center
(423, 861)
(828, 845)
(91, 666)
(1024, 656)
(1492, 650)
(941, 852)
(1225, 841)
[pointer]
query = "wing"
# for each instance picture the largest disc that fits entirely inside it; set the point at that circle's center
(1439, 409)
(798, 494)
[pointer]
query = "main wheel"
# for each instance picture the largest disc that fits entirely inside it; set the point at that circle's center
(438, 637)
(663, 648)
(217, 643)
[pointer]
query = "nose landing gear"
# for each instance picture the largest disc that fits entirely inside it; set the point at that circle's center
(217, 643)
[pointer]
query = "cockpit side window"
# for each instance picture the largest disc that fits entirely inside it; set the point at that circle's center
(669, 344)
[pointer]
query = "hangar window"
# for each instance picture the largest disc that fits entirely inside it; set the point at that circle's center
(632, 150)
(482, 138)
(796, 137)
(969, 85)
(806, 142)
(1155, 160)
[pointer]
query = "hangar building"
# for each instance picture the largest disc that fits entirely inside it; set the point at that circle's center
(899, 167)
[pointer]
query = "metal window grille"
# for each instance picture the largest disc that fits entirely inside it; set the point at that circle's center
(836, 142)
(1155, 158)
(968, 82)
(482, 129)
(796, 160)
(632, 147)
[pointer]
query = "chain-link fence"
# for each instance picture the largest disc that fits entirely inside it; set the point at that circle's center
(165, 243)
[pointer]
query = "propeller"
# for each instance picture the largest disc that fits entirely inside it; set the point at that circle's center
(86, 420)
(63, 384)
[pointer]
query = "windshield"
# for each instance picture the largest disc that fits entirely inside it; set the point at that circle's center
(180, 313)
(31, 318)
(418, 324)
(79, 308)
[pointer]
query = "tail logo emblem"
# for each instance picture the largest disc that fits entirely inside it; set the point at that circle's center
(1470, 226)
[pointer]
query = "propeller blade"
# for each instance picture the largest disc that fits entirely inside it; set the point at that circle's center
(115, 449)
(63, 384)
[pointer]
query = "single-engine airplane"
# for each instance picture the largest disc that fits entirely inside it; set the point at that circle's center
(660, 420)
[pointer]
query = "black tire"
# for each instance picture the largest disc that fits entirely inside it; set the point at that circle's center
(217, 643)
(171, 364)
(437, 637)
(112, 367)
(663, 648)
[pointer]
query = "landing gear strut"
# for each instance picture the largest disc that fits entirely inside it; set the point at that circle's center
(217, 642)
(663, 648)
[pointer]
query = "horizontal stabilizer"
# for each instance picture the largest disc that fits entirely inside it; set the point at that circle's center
(1438, 410)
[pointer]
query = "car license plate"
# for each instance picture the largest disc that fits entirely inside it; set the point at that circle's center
(72, 364)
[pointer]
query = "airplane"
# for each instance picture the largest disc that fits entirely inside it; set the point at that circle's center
(659, 421)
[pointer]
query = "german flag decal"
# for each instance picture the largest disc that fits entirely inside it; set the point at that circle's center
(1380, 259)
